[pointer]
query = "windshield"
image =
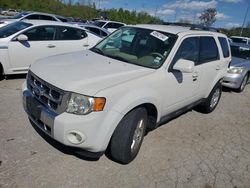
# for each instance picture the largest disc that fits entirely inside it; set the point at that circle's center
(144, 47)
(99, 23)
(19, 15)
(13, 28)
(239, 40)
(240, 52)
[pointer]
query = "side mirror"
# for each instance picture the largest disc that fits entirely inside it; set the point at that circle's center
(185, 66)
(22, 38)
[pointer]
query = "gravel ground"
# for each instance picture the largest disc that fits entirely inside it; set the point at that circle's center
(193, 150)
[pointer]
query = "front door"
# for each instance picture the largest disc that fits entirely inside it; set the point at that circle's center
(181, 88)
(39, 45)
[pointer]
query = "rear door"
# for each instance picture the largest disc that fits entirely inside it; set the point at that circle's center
(39, 45)
(210, 61)
(69, 39)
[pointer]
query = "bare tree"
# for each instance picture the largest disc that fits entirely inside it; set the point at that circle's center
(207, 17)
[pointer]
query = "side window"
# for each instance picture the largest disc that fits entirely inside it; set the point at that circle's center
(189, 50)
(41, 33)
(108, 25)
(32, 17)
(224, 46)
(94, 30)
(44, 17)
(117, 25)
(103, 34)
(68, 33)
(208, 50)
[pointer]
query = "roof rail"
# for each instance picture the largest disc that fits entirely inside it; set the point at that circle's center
(193, 26)
(203, 28)
(178, 24)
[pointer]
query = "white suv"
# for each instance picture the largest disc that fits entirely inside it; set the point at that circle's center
(130, 82)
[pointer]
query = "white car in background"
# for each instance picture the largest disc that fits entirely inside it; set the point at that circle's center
(22, 43)
(241, 40)
(99, 31)
(9, 12)
(111, 26)
(32, 16)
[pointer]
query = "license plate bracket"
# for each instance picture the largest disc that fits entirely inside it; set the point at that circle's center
(33, 107)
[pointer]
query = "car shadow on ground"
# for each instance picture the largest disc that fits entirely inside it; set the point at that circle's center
(228, 90)
(66, 149)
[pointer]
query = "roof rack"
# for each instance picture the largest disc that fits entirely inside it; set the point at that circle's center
(203, 28)
(193, 26)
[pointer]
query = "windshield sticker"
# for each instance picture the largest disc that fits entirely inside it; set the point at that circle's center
(158, 35)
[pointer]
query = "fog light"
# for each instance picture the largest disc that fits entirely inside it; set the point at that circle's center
(75, 137)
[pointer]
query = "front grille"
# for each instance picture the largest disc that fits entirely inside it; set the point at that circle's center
(49, 95)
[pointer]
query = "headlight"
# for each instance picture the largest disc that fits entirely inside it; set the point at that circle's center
(81, 104)
(235, 70)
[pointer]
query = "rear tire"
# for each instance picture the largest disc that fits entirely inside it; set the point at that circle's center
(128, 136)
(212, 100)
(243, 83)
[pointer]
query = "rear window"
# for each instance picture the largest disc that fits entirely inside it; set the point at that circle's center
(224, 46)
(208, 49)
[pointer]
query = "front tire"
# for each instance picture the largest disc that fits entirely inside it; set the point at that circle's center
(1, 73)
(128, 136)
(243, 83)
(212, 100)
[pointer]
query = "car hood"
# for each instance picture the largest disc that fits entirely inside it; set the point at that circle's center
(86, 72)
(239, 62)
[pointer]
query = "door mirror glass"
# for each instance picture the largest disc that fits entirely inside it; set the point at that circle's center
(185, 66)
(22, 38)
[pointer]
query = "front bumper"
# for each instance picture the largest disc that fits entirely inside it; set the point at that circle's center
(95, 128)
(232, 80)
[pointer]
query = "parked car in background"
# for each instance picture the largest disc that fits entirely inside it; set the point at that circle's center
(9, 12)
(111, 26)
(238, 73)
(99, 31)
(24, 42)
(238, 39)
(32, 16)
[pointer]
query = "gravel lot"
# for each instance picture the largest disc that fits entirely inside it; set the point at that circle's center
(193, 150)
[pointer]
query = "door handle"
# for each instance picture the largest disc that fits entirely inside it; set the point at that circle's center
(217, 67)
(85, 45)
(51, 46)
(195, 76)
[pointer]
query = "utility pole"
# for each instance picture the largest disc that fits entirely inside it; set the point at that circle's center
(241, 31)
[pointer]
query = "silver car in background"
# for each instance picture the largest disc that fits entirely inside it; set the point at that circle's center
(238, 73)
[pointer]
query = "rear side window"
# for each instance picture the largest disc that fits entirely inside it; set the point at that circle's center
(67, 33)
(224, 46)
(45, 17)
(32, 17)
(208, 50)
(188, 50)
(94, 30)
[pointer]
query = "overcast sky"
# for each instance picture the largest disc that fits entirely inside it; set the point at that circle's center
(230, 12)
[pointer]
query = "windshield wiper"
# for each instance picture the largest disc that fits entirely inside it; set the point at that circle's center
(97, 50)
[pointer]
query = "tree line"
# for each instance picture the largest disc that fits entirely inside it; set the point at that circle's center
(85, 9)
(79, 10)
